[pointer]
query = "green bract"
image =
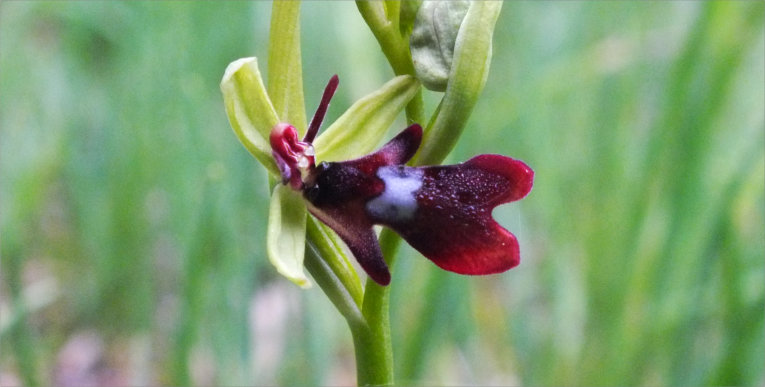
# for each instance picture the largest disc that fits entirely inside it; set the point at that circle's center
(467, 76)
(433, 39)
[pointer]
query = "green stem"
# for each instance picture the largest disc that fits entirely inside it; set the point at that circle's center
(374, 360)
(368, 320)
(415, 109)
(374, 352)
(371, 334)
(383, 19)
(333, 287)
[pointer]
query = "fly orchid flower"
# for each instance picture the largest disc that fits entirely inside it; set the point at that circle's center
(444, 212)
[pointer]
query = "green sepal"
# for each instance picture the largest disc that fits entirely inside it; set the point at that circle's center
(285, 70)
(249, 110)
(285, 241)
(362, 127)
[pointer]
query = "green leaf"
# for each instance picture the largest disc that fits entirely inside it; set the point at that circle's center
(249, 109)
(285, 79)
(433, 40)
(470, 68)
(286, 234)
(361, 128)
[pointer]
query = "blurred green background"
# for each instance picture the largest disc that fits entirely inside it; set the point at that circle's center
(133, 222)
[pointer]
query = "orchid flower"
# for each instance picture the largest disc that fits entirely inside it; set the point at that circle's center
(444, 212)
(254, 120)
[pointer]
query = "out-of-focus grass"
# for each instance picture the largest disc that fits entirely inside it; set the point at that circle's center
(130, 212)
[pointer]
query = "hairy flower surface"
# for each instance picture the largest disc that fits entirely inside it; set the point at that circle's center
(444, 212)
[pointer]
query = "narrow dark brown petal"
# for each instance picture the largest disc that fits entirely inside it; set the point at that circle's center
(395, 152)
(321, 110)
(337, 198)
(358, 235)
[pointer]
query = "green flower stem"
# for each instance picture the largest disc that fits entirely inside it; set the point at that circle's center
(333, 287)
(374, 352)
(324, 258)
(374, 360)
(415, 110)
(382, 17)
